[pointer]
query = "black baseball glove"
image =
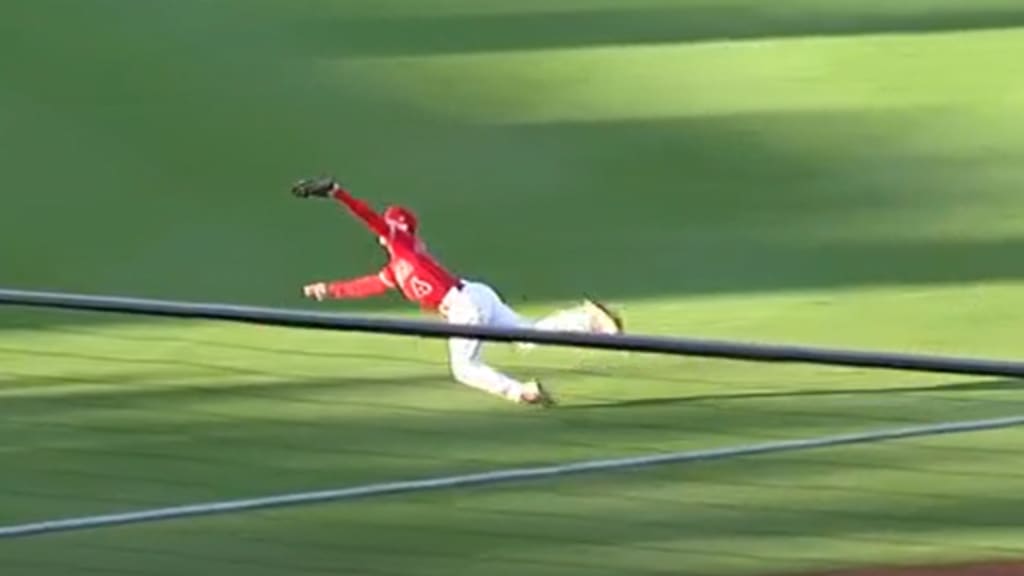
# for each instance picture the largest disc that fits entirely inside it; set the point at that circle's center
(314, 187)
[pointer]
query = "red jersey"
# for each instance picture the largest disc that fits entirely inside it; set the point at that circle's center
(411, 269)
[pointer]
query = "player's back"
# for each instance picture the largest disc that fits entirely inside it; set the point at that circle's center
(418, 275)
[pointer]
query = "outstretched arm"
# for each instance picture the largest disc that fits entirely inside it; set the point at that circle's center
(361, 287)
(325, 187)
(362, 210)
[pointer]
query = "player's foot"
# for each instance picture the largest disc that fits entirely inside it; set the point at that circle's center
(534, 393)
(604, 319)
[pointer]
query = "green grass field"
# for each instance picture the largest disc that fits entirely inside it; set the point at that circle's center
(841, 173)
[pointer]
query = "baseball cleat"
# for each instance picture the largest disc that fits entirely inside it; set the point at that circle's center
(534, 393)
(603, 319)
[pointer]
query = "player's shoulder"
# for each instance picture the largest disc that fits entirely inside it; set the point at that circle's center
(408, 243)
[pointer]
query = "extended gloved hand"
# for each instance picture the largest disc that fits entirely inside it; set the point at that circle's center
(314, 187)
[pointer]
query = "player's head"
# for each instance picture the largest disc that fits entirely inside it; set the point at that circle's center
(400, 218)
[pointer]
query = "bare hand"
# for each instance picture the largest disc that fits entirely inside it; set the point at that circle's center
(317, 291)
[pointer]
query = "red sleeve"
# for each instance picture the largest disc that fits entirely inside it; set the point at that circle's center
(361, 287)
(363, 211)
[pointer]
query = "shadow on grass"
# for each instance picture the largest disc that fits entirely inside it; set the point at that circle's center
(293, 351)
(431, 404)
(579, 28)
(974, 386)
(903, 497)
(677, 531)
(149, 444)
(429, 370)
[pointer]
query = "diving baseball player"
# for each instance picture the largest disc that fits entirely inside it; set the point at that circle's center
(423, 280)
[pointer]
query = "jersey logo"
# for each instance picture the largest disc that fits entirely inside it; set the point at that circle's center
(402, 271)
(420, 288)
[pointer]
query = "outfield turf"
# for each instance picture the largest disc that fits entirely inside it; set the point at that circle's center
(842, 173)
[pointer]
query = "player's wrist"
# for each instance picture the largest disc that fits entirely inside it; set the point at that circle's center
(337, 191)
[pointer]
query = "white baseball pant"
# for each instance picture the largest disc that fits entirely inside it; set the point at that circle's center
(478, 304)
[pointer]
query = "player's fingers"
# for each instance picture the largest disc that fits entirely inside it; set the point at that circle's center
(317, 291)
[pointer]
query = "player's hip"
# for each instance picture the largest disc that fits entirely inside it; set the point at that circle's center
(468, 301)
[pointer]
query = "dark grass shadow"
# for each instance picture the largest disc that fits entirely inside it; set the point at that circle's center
(42, 356)
(156, 338)
(157, 388)
(655, 528)
(631, 513)
(835, 516)
(973, 386)
(76, 460)
(994, 564)
(436, 370)
(661, 529)
(578, 28)
(190, 378)
(365, 403)
(649, 532)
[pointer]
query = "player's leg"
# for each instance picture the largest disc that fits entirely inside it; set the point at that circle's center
(590, 316)
(476, 307)
(468, 368)
(573, 319)
(587, 317)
